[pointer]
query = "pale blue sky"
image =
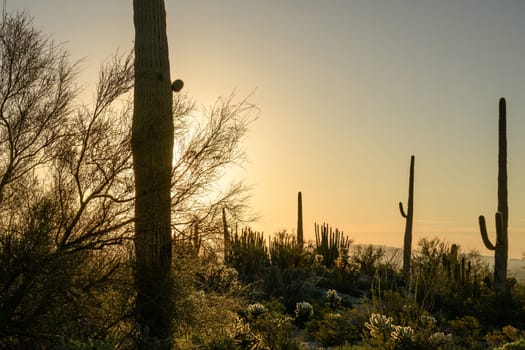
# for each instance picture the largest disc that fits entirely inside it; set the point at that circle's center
(347, 91)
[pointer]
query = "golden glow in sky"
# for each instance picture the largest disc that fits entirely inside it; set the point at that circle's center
(347, 91)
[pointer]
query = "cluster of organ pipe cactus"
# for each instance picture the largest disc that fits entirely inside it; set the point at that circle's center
(329, 242)
(458, 269)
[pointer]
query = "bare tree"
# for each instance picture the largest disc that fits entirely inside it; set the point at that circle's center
(36, 90)
(66, 186)
(66, 191)
(207, 144)
(92, 171)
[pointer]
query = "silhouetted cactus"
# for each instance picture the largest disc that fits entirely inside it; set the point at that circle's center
(226, 234)
(196, 238)
(300, 241)
(249, 254)
(501, 246)
(450, 262)
(284, 251)
(409, 216)
(329, 242)
(458, 270)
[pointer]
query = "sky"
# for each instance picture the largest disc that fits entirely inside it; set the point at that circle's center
(347, 91)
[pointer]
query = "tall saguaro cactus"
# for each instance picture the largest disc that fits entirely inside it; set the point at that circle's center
(152, 148)
(501, 246)
(409, 217)
(300, 239)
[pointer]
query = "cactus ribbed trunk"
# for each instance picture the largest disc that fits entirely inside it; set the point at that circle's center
(152, 148)
(300, 239)
(502, 215)
(409, 217)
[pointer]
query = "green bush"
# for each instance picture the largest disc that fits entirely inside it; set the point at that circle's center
(517, 345)
(336, 328)
(274, 328)
(367, 258)
(466, 332)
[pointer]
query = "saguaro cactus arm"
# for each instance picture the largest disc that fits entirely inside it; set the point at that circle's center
(401, 210)
(484, 234)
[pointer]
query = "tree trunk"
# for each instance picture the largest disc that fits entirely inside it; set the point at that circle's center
(152, 147)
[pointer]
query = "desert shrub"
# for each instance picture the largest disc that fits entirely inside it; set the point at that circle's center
(507, 334)
(466, 332)
(344, 280)
(446, 281)
(213, 323)
(367, 258)
(52, 296)
(235, 336)
(516, 345)
(286, 253)
(290, 285)
(218, 278)
(274, 328)
(87, 345)
(337, 328)
(249, 255)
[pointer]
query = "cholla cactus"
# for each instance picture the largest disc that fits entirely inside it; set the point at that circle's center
(379, 325)
(303, 311)
(402, 334)
(333, 298)
(428, 320)
(255, 310)
(318, 260)
(241, 333)
(440, 339)
(335, 316)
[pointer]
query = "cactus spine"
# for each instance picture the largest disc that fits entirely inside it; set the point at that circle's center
(409, 216)
(502, 215)
(300, 219)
